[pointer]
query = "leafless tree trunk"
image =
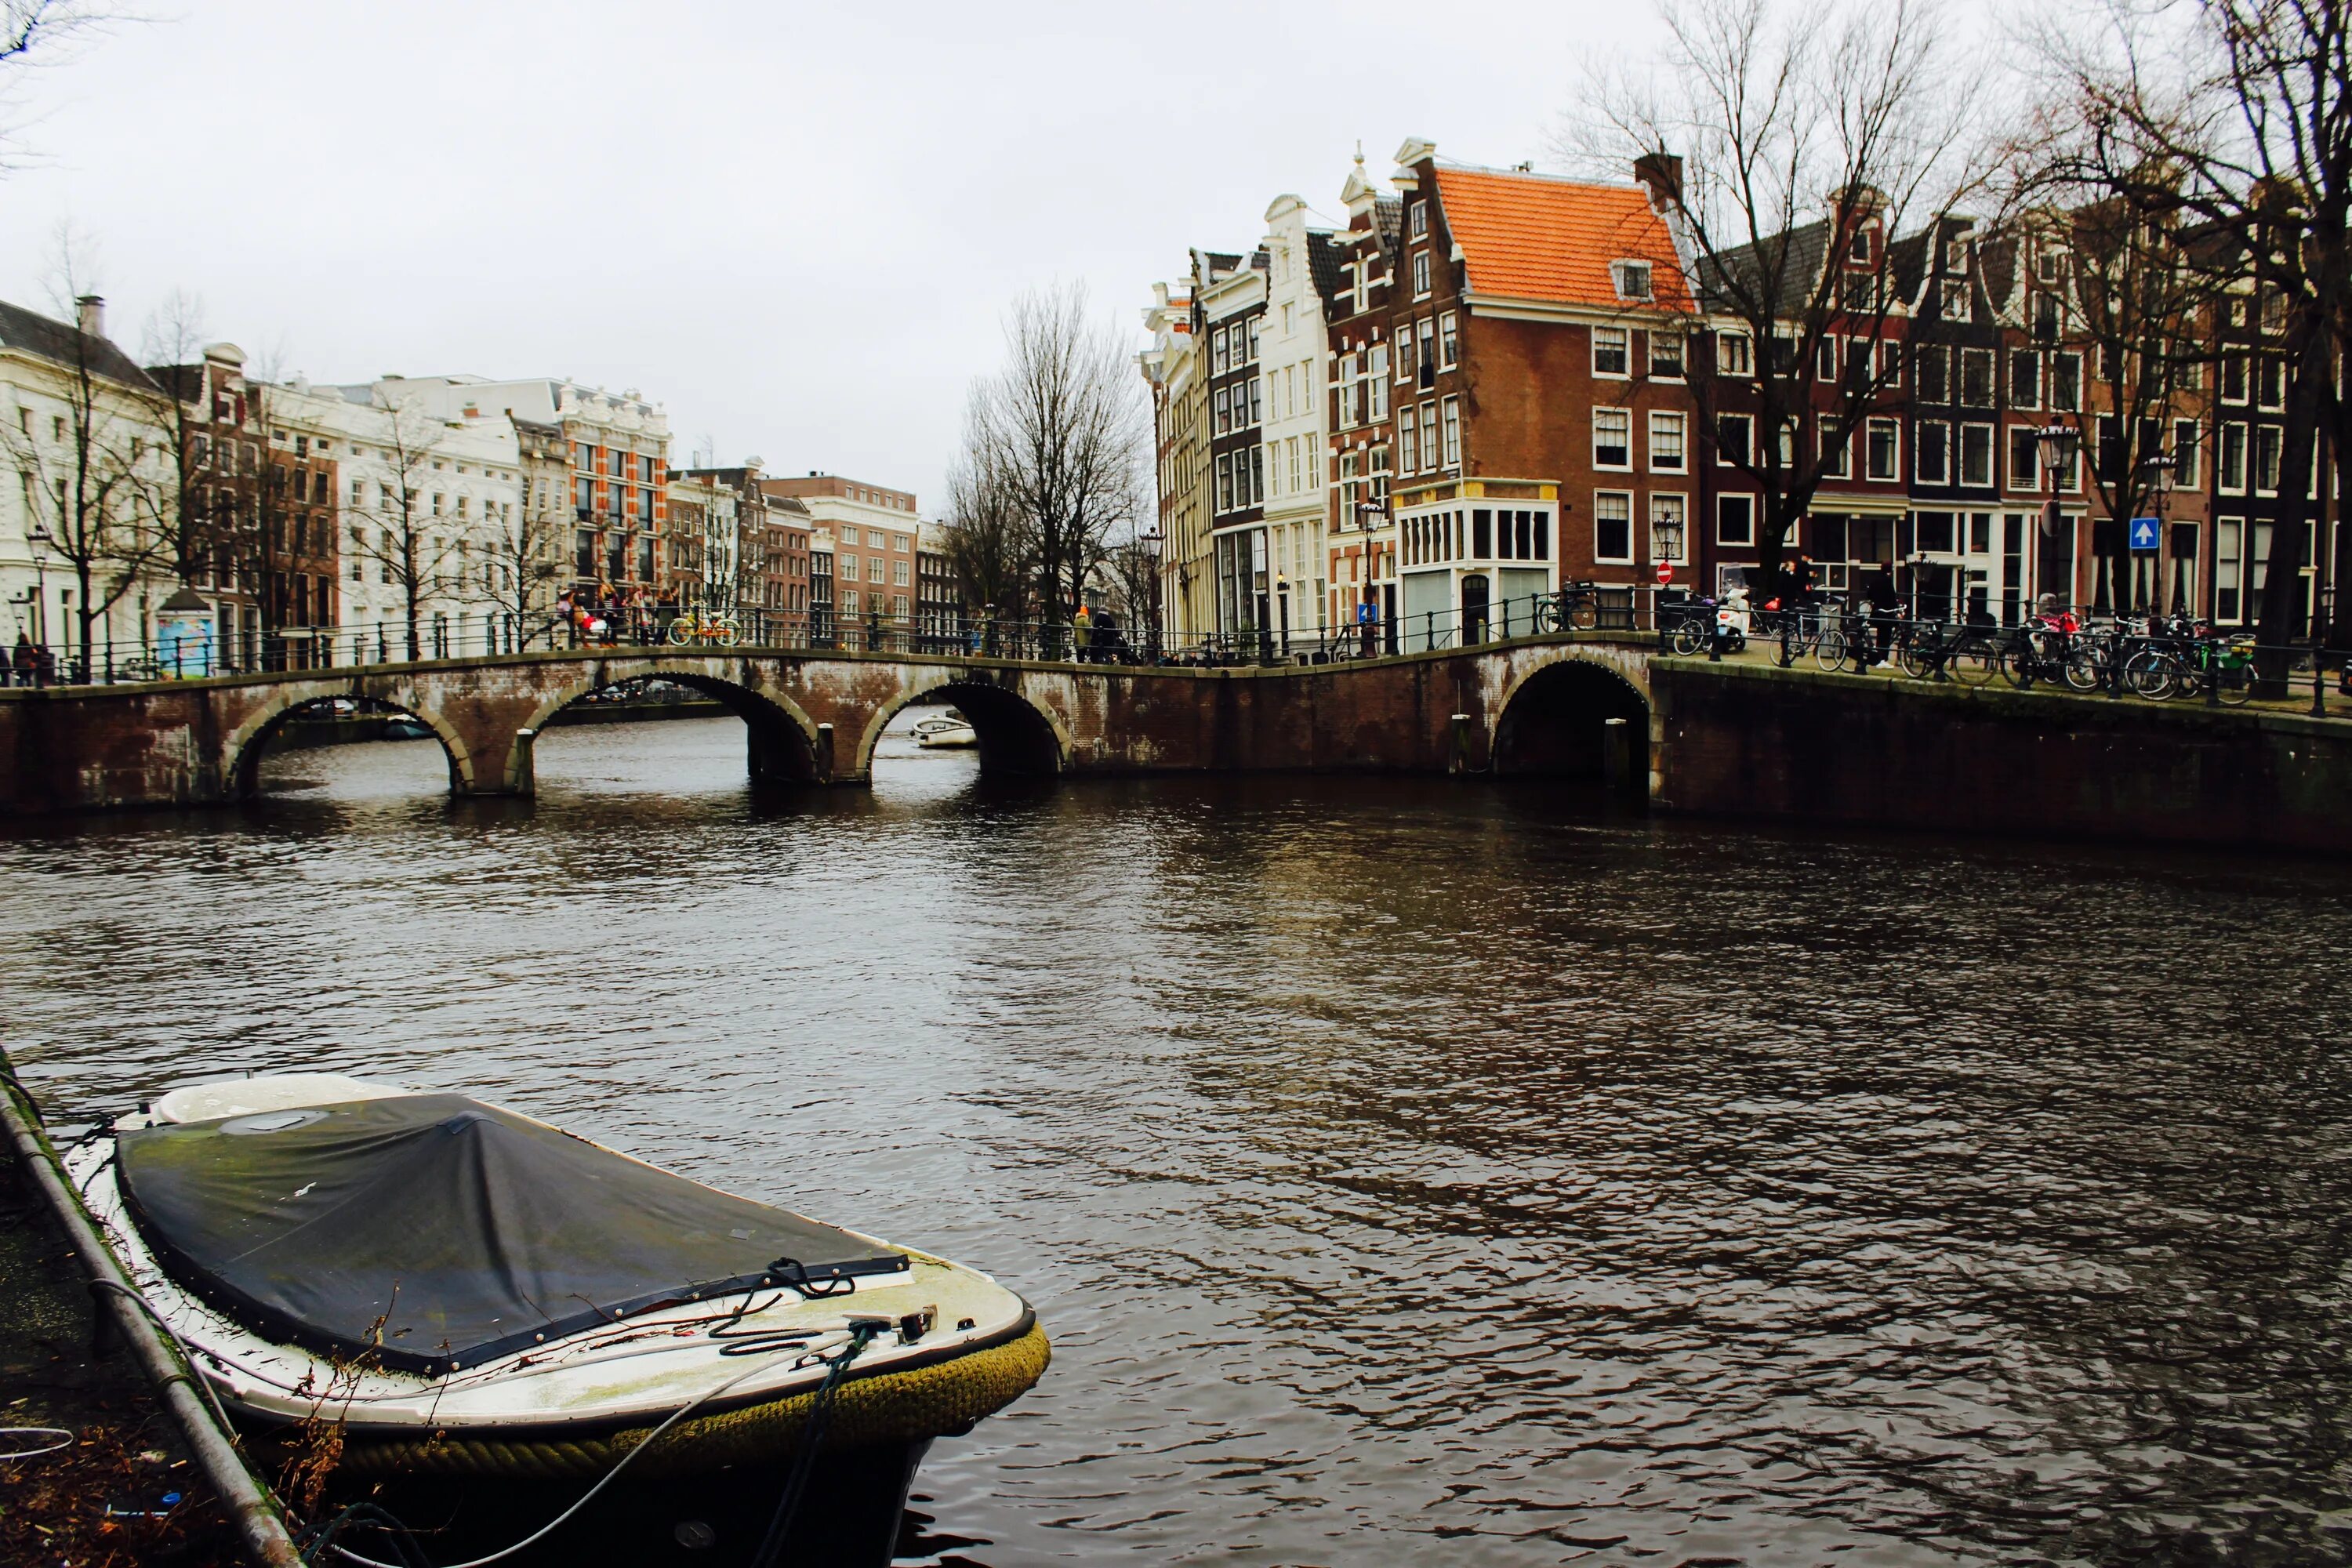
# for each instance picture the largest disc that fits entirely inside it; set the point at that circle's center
(1793, 142)
(1061, 428)
(34, 33)
(2241, 122)
(522, 558)
(392, 529)
(986, 535)
(96, 478)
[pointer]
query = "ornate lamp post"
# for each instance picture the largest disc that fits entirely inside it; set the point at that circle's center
(40, 538)
(2059, 443)
(2160, 472)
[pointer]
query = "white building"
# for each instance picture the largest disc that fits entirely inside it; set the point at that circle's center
(1294, 356)
(88, 486)
(429, 501)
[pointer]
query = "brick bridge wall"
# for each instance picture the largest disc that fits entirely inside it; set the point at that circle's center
(1749, 741)
(808, 719)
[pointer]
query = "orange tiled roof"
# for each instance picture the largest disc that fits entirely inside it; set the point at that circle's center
(1529, 236)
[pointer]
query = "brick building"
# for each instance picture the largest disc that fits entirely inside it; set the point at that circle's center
(872, 532)
(1531, 350)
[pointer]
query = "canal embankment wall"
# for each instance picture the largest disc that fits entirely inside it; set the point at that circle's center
(1793, 745)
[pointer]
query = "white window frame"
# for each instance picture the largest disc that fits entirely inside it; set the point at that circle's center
(1625, 414)
(1730, 347)
(1597, 498)
(1895, 471)
(1449, 341)
(1919, 455)
(1452, 415)
(1624, 339)
(1681, 500)
(1993, 460)
(1747, 448)
(2034, 356)
(2224, 435)
(1421, 274)
(1667, 419)
(1680, 371)
(1747, 500)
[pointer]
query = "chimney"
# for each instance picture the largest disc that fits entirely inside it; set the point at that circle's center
(89, 315)
(1662, 174)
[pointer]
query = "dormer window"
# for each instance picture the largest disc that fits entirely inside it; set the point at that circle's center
(1417, 220)
(1956, 257)
(2051, 264)
(1857, 250)
(1632, 278)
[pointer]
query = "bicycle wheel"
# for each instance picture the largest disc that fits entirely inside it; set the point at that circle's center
(682, 631)
(2086, 668)
(1829, 652)
(2234, 683)
(726, 631)
(1918, 659)
(1689, 638)
(1583, 614)
(1974, 662)
(2151, 673)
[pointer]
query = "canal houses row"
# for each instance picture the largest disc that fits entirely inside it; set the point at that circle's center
(1528, 381)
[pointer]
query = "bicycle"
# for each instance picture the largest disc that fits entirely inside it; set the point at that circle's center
(1575, 608)
(1848, 641)
(721, 630)
(1968, 655)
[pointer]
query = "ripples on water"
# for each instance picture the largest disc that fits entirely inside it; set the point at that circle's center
(1406, 1170)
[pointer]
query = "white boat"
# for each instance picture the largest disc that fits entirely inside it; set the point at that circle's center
(952, 730)
(467, 1290)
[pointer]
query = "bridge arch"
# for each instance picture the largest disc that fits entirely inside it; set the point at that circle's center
(782, 737)
(1552, 716)
(1016, 734)
(249, 743)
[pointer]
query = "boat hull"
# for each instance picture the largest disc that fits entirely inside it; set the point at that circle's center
(897, 1406)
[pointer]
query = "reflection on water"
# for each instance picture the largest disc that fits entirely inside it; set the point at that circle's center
(1405, 1169)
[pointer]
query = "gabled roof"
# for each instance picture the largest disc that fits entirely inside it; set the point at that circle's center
(1792, 260)
(1323, 264)
(1388, 222)
(34, 334)
(1532, 237)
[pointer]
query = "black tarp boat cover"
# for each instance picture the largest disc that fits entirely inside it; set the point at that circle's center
(433, 1232)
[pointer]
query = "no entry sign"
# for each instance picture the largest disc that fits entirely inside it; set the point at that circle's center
(1665, 573)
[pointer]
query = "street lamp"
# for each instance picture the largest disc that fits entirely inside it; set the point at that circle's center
(41, 539)
(2059, 443)
(1666, 539)
(2160, 472)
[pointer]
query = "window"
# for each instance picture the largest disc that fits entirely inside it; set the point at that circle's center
(1251, 339)
(1825, 359)
(1407, 441)
(1421, 275)
(2233, 378)
(2024, 452)
(1609, 352)
(1733, 438)
(2025, 379)
(1453, 432)
(1976, 455)
(1734, 354)
(1934, 373)
(1417, 220)
(1976, 377)
(1631, 278)
(1226, 482)
(1666, 356)
(1449, 342)
(2228, 534)
(1257, 475)
(898, 572)
(1669, 536)
(2184, 454)
(2270, 381)
(2067, 382)
(1932, 442)
(1612, 526)
(1612, 438)
(1957, 301)
(1734, 520)
(849, 601)
(1883, 450)
(1427, 335)
(2232, 459)
(1256, 401)
(1785, 351)
(1666, 443)
(1835, 458)
(2269, 440)
(1935, 533)
(1219, 361)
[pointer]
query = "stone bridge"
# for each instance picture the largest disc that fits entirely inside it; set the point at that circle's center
(811, 717)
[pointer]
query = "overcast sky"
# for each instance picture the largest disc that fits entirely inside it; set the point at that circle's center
(796, 226)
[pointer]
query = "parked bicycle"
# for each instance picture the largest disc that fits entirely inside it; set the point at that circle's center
(1575, 608)
(717, 631)
(1966, 653)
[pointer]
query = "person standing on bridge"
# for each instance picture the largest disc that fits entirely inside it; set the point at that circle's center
(1082, 633)
(1885, 605)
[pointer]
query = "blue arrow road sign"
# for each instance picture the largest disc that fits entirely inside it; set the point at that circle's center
(2143, 533)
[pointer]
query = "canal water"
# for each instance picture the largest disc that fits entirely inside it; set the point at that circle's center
(1406, 1170)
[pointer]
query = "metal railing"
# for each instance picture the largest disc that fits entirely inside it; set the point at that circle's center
(195, 650)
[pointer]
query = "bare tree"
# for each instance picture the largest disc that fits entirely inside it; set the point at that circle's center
(390, 529)
(2237, 116)
(1133, 564)
(37, 32)
(173, 347)
(1788, 145)
(985, 533)
(522, 554)
(1061, 428)
(95, 475)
